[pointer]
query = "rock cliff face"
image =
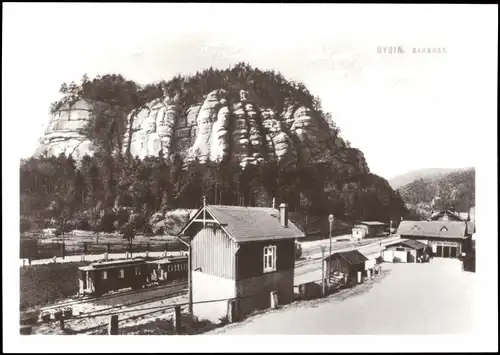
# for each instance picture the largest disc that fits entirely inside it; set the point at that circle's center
(150, 131)
(62, 134)
(215, 129)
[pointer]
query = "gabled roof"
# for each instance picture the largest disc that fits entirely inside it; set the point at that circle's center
(248, 224)
(353, 257)
(442, 229)
(413, 244)
(461, 216)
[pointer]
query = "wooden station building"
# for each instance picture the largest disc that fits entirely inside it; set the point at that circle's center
(242, 254)
(447, 239)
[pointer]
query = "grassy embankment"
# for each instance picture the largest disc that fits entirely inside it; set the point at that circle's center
(45, 284)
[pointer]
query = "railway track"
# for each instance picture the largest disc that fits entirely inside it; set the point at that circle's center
(130, 312)
(116, 309)
(111, 296)
(166, 311)
(97, 318)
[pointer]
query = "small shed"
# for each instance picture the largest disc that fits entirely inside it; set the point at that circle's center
(368, 229)
(347, 263)
(404, 251)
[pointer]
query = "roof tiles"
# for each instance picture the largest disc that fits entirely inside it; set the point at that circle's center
(246, 224)
(351, 256)
(438, 229)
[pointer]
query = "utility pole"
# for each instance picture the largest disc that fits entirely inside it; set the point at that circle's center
(330, 222)
(323, 270)
(190, 276)
(190, 279)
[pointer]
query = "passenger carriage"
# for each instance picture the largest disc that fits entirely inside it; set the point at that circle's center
(169, 269)
(102, 277)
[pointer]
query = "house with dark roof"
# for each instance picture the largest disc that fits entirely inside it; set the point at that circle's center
(446, 238)
(241, 253)
(449, 215)
(346, 264)
(368, 229)
(407, 250)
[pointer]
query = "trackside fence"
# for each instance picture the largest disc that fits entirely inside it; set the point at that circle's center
(36, 250)
(181, 321)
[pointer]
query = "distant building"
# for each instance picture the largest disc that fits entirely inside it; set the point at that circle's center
(368, 229)
(406, 251)
(241, 253)
(446, 238)
(448, 215)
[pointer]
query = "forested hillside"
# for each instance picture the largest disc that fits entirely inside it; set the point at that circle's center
(239, 136)
(455, 190)
(404, 179)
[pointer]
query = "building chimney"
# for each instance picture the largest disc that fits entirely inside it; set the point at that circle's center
(284, 215)
(274, 203)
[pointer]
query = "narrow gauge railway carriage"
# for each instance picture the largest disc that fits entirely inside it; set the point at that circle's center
(102, 277)
(169, 269)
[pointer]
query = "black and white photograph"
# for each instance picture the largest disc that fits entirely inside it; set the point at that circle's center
(264, 170)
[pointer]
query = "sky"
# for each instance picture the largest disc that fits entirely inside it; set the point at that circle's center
(404, 111)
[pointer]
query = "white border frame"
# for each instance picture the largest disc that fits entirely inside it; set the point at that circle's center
(485, 338)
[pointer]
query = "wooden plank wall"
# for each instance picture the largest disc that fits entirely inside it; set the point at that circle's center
(214, 252)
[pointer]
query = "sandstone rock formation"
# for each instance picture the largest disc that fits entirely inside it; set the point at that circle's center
(220, 135)
(280, 145)
(62, 134)
(205, 119)
(240, 135)
(310, 130)
(150, 131)
(212, 130)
